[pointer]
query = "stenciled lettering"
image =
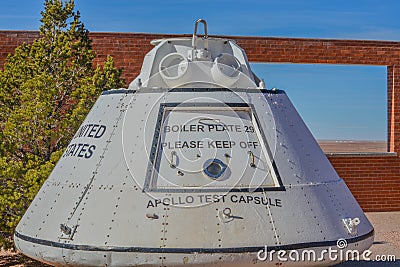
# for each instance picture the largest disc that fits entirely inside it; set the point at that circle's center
(80, 150)
(215, 198)
(91, 131)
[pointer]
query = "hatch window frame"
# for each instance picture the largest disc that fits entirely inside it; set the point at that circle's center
(151, 168)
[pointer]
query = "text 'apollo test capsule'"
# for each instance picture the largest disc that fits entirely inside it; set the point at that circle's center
(196, 163)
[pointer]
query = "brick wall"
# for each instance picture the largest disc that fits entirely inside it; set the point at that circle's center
(11, 39)
(374, 180)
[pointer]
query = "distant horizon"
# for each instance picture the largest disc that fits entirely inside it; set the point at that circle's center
(353, 146)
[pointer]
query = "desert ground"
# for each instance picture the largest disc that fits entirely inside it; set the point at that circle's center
(352, 146)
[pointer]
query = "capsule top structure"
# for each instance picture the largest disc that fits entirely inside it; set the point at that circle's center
(196, 163)
(197, 62)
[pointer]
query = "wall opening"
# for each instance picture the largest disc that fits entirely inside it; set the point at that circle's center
(344, 106)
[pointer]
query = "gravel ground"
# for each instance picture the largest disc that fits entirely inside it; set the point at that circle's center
(387, 242)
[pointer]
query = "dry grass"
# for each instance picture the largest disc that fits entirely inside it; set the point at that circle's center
(13, 259)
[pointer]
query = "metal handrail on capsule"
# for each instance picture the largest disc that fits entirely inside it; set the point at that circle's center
(195, 32)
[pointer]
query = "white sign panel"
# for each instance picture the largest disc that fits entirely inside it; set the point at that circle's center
(211, 148)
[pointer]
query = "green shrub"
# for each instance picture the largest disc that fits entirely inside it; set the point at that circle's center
(46, 90)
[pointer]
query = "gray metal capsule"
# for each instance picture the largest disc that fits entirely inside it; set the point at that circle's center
(196, 163)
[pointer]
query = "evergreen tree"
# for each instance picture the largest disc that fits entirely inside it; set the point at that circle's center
(46, 90)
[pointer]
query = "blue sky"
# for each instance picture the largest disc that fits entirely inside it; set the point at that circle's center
(337, 102)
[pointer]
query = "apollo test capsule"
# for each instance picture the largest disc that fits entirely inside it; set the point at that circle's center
(196, 163)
